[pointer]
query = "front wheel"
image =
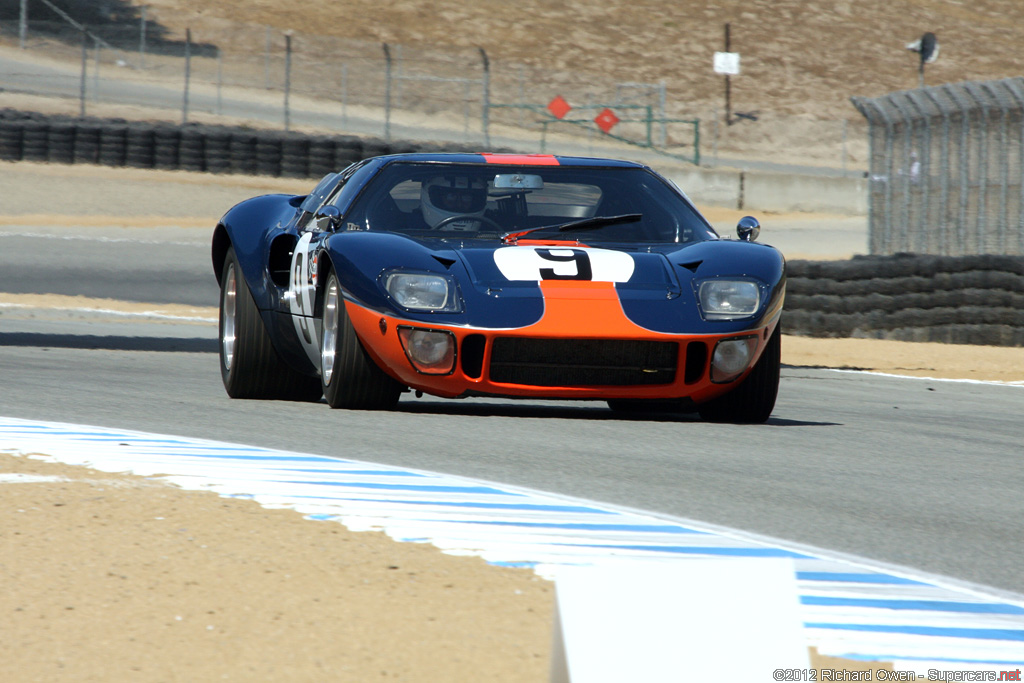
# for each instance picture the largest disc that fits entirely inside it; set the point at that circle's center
(349, 377)
(753, 400)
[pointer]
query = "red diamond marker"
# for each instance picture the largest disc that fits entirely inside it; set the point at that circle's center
(559, 107)
(606, 120)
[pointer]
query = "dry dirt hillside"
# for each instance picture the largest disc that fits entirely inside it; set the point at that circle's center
(802, 57)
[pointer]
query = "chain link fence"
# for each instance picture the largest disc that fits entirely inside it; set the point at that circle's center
(946, 166)
(349, 81)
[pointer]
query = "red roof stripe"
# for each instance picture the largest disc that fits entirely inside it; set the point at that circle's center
(525, 159)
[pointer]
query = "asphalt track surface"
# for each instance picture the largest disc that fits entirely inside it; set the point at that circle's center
(921, 473)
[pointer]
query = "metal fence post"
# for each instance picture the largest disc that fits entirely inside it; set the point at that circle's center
(1018, 95)
(843, 153)
(944, 170)
(882, 243)
(220, 81)
(696, 141)
(1004, 164)
(963, 159)
(387, 92)
(399, 76)
(981, 228)
(485, 108)
(22, 24)
(662, 96)
(142, 39)
(266, 59)
(188, 74)
(85, 72)
(908, 170)
(344, 96)
(923, 232)
(96, 72)
(287, 79)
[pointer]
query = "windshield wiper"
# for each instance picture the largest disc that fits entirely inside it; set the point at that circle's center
(582, 224)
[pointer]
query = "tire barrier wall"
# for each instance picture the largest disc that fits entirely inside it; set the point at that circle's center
(31, 136)
(964, 300)
(953, 299)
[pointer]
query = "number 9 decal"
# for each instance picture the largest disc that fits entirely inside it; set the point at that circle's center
(555, 263)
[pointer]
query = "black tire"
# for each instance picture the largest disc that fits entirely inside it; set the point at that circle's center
(60, 142)
(35, 141)
(753, 400)
(140, 145)
(242, 153)
(10, 140)
(113, 145)
(268, 155)
(349, 377)
(249, 365)
(87, 144)
(191, 151)
(217, 152)
(166, 148)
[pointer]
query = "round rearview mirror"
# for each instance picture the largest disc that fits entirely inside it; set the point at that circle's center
(327, 218)
(748, 228)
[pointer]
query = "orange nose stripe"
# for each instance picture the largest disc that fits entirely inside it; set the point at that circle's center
(583, 309)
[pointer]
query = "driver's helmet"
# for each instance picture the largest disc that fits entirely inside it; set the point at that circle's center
(446, 196)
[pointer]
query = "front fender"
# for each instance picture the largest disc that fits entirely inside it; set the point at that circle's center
(250, 227)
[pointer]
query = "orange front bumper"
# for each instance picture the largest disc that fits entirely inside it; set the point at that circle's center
(574, 310)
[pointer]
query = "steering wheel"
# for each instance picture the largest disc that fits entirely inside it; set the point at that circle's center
(468, 217)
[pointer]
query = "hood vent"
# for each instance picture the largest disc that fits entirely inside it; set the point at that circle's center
(691, 266)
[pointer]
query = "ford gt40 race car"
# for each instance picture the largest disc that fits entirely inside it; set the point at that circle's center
(503, 275)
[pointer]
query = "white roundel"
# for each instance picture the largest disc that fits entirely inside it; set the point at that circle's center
(564, 263)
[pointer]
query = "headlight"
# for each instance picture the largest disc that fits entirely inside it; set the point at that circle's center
(422, 291)
(729, 299)
(731, 357)
(431, 352)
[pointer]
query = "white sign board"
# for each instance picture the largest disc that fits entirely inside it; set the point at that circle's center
(727, 63)
(714, 620)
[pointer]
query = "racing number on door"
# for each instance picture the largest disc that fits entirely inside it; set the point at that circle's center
(301, 304)
(575, 256)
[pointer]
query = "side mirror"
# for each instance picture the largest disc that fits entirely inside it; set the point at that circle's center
(327, 218)
(748, 229)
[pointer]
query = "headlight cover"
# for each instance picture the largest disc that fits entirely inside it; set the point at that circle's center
(431, 352)
(731, 357)
(729, 299)
(422, 291)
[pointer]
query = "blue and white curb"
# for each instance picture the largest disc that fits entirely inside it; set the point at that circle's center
(850, 607)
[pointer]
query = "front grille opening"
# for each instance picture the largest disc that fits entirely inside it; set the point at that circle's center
(473, 355)
(696, 362)
(582, 362)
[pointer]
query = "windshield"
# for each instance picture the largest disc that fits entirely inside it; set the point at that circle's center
(491, 201)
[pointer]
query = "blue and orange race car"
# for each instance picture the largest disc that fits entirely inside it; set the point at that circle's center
(497, 275)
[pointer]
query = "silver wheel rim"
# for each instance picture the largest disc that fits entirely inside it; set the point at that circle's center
(329, 345)
(227, 317)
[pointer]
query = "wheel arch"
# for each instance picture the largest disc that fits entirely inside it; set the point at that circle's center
(219, 250)
(324, 266)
